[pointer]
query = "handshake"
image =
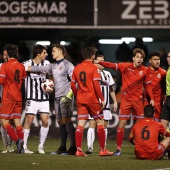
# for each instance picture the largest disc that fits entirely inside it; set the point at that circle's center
(68, 98)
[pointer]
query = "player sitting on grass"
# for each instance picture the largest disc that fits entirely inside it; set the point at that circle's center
(144, 136)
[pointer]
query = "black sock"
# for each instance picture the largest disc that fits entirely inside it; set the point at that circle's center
(63, 135)
(71, 133)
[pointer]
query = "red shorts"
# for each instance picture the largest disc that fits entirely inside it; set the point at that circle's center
(92, 109)
(156, 155)
(10, 109)
(128, 107)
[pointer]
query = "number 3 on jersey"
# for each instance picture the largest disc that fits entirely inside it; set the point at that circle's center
(82, 77)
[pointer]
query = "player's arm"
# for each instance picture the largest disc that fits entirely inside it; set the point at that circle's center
(106, 64)
(39, 69)
(112, 93)
(150, 92)
(2, 74)
(99, 92)
(73, 85)
(130, 139)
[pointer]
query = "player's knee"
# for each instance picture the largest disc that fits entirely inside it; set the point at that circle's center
(122, 123)
(119, 129)
(45, 124)
(92, 124)
(100, 122)
(79, 128)
(64, 120)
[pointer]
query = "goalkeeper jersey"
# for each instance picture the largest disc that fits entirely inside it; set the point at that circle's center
(61, 71)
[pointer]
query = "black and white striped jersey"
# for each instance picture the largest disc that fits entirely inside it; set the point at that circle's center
(33, 90)
(106, 81)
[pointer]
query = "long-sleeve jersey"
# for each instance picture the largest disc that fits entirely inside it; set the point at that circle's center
(61, 71)
(132, 79)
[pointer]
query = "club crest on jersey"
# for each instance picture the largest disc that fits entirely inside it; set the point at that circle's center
(141, 72)
(60, 68)
(159, 75)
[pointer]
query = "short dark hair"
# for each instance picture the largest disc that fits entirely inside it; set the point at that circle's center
(38, 49)
(154, 53)
(138, 50)
(98, 55)
(88, 52)
(12, 50)
(62, 48)
(148, 111)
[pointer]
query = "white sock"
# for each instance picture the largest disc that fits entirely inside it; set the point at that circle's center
(105, 129)
(26, 135)
(43, 135)
(5, 137)
(90, 137)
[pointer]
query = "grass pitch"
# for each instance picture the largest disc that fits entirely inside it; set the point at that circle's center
(36, 161)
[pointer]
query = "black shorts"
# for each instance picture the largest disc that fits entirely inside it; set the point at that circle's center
(165, 114)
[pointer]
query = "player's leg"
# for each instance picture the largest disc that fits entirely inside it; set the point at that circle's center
(107, 116)
(43, 132)
(5, 139)
(26, 128)
(166, 143)
(8, 108)
(79, 137)
(10, 146)
(31, 109)
(63, 131)
(105, 129)
(43, 109)
(67, 113)
(71, 133)
(165, 116)
(83, 116)
(124, 115)
(91, 135)
(97, 114)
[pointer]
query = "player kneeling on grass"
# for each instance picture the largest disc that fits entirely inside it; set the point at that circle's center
(144, 135)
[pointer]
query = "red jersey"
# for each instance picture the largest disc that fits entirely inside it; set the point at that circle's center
(84, 76)
(157, 83)
(145, 136)
(11, 76)
(132, 79)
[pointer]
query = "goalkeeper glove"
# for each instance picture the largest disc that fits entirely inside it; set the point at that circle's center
(68, 98)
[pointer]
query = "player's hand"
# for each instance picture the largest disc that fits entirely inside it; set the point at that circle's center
(28, 68)
(95, 62)
(115, 106)
(68, 98)
(152, 103)
(102, 104)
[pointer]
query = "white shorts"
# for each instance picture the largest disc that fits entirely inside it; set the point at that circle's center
(34, 107)
(107, 115)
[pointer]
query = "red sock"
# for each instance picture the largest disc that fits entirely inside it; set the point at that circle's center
(11, 132)
(120, 136)
(79, 137)
(19, 131)
(101, 136)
